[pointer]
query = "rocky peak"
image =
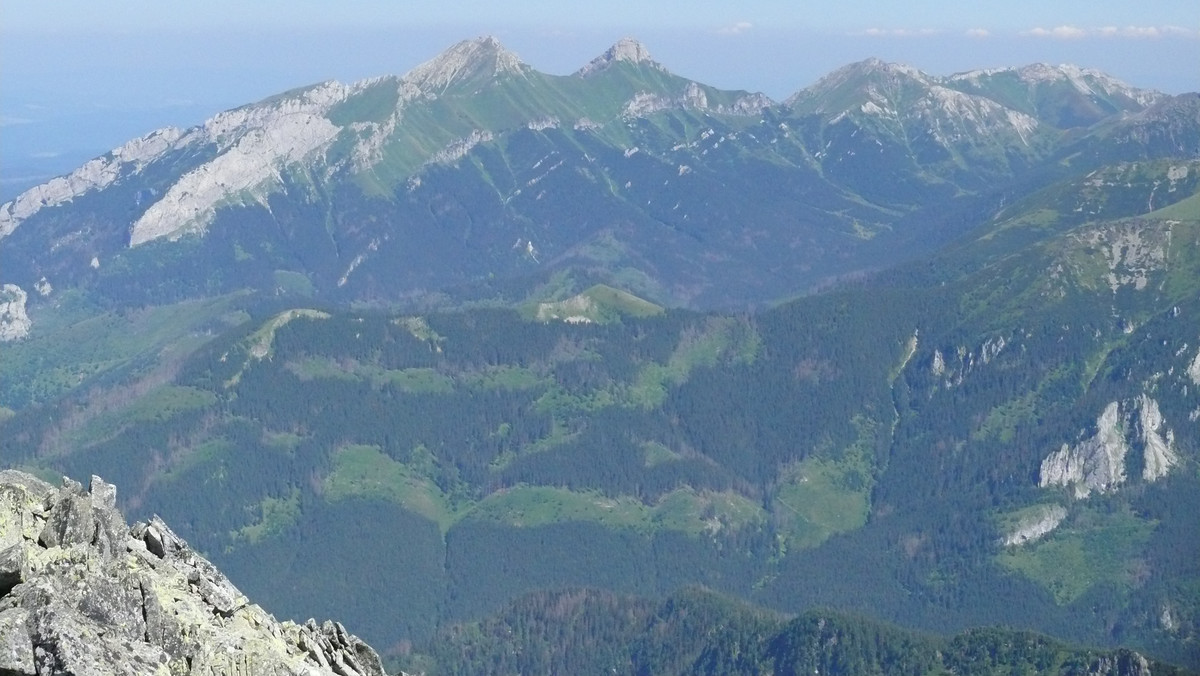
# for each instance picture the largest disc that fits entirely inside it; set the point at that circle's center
(469, 61)
(83, 593)
(873, 70)
(872, 78)
(1172, 119)
(875, 65)
(14, 320)
(626, 49)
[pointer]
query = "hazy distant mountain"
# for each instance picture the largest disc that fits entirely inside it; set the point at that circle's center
(474, 168)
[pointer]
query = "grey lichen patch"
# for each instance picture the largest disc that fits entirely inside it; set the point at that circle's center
(83, 593)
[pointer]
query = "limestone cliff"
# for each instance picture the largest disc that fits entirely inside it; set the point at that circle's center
(1160, 453)
(1036, 526)
(83, 593)
(1096, 463)
(14, 320)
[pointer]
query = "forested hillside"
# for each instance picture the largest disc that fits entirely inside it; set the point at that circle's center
(700, 633)
(405, 352)
(904, 446)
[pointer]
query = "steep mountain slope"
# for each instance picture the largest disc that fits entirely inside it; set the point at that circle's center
(915, 127)
(1011, 419)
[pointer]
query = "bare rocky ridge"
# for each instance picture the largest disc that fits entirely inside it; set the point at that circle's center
(83, 593)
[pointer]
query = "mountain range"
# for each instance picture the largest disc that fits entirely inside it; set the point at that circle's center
(680, 192)
(918, 347)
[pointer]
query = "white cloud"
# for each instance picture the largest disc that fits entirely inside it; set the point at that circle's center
(7, 121)
(1140, 32)
(1076, 33)
(1059, 32)
(977, 32)
(736, 29)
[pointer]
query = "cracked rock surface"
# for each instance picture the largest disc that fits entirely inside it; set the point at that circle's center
(83, 593)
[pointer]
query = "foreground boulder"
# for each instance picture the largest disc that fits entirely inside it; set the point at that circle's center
(83, 593)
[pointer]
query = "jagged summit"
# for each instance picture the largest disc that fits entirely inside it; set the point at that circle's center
(875, 64)
(625, 49)
(871, 68)
(480, 59)
(859, 77)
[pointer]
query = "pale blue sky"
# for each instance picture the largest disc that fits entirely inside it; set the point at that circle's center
(102, 16)
(78, 77)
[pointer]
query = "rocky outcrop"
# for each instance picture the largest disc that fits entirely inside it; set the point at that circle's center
(956, 365)
(1094, 464)
(1193, 369)
(1159, 445)
(1121, 663)
(14, 321)
(83, 593)
(1036, 526)
(1098, 462)
(1132, 251)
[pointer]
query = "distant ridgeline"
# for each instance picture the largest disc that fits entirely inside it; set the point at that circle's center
(454, 338)
(698, 632)
(475, 175)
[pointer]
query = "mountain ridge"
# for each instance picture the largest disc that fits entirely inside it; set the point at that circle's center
(484, 58)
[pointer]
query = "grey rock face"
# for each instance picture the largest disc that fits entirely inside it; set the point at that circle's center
(1095, 464)
(1098, 462)
(83, 593)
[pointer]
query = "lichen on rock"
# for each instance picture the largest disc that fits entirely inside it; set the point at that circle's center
(83, 593)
